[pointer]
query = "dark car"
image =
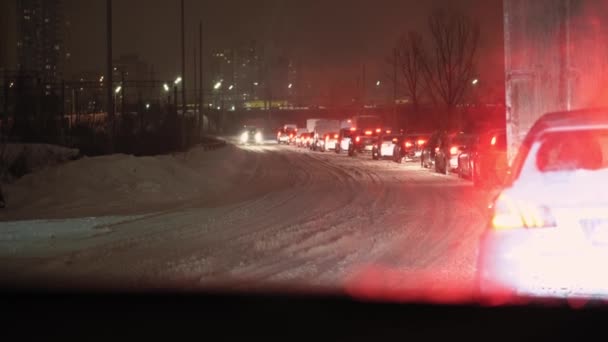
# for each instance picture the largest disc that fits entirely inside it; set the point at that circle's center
(363, 142)
(485, 163)
(410, 147)
(427, 157)
(385, 146)
(448, 149)
(251, 135)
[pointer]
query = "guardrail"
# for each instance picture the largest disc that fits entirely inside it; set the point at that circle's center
(213, 144)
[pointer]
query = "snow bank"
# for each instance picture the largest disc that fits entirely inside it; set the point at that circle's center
(121, 184)
(37, 156)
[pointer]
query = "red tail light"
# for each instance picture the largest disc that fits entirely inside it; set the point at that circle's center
(291, 135)
(408, 144)
(436, 149)
(378, 130)
(353, 129)
(493, 142)
(336, 136)
(368, 132)
(510, 213)
(326, 138)
(454, 150)
(389, 131)
(358, 139)
(279, 134)
(421, 142)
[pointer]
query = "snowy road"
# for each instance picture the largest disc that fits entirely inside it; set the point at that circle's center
(261, 216)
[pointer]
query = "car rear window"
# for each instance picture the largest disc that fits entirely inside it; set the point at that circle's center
(574, 150)
(389, 137)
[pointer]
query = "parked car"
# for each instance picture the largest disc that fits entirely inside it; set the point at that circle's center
(485, 162)
(548, 227)
(448, 149)
(363, 142)
(385, 146)
(345, 136)
(251, 135)
(409, 147)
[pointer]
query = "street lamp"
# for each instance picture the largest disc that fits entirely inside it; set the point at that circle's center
(101, 79)
(231, 87)
(290, 86)
(166, 87)
(147, 106)
(256, 84)
(475, 81)
(217, 85)
(118, 89)
(378, 83)
(178, 80)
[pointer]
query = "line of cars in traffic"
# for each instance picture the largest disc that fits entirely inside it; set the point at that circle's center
(547, 224)
(481, 157)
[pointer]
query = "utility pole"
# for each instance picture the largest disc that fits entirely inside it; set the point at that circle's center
(363, 86)
(184, 102)
(109, 72)
(201, 115)
(122, 93)
(395, 57)
(195, 61)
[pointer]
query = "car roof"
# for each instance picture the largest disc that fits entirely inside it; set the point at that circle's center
(583, 117)
(566, 120)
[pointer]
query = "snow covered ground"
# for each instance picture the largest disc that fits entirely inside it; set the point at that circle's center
(243, 218)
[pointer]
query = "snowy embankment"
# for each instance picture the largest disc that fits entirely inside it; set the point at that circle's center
(25, 158)
(120, 184)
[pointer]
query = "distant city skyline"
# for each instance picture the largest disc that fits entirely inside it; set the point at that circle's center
(331, 39)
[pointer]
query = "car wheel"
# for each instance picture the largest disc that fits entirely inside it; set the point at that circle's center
(338, 149)
(399, 158)
(374, 155)
(351, 152)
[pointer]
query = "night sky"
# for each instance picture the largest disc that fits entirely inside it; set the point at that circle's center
(331, 37)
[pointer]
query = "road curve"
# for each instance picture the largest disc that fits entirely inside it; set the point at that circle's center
(289, 217)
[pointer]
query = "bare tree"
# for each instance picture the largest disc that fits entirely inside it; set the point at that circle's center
(411, 60)
(451, 68)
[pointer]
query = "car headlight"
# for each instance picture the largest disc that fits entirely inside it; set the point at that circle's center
(258, 137)
(244, 137)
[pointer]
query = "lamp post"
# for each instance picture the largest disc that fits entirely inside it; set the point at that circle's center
(177, 81)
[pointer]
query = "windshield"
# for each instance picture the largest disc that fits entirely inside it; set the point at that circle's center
(197, 145)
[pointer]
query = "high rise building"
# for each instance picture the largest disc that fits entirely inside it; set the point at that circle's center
(40, 46)
(8, 26)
